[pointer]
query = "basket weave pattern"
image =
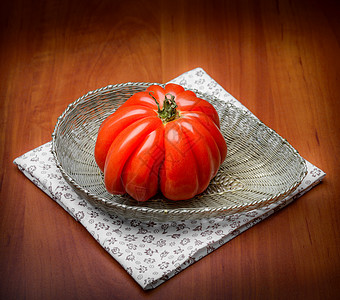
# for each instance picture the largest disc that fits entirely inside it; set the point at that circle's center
(260, 168)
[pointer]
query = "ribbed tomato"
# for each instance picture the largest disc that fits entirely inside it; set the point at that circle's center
(163, 139)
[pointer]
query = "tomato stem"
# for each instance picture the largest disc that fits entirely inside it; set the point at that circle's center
(168, 112)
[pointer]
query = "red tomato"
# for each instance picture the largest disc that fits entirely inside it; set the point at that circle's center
(163, 139)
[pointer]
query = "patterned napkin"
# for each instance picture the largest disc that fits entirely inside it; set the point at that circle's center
(153, 252)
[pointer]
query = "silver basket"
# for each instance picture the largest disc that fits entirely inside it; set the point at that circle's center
(260, 168)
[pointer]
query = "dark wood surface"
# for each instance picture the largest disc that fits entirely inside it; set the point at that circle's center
(279, 58)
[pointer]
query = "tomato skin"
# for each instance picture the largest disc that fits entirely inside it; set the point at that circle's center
(178, 174)
(212, 128)
(121, 149)
(140, 173)
(113, 125)
(142, 153)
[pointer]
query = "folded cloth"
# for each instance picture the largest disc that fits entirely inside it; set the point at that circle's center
(153, 252)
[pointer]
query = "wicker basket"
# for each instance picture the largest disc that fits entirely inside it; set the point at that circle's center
(260, 168)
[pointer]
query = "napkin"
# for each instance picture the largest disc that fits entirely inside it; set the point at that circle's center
(153, 252)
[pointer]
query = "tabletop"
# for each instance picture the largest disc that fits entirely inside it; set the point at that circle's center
(278, 58)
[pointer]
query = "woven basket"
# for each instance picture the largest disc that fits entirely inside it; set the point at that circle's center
(260, 168)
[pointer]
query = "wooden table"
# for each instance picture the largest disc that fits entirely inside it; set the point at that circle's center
(279, 58)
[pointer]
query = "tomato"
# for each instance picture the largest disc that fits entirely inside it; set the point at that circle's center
(162, 139)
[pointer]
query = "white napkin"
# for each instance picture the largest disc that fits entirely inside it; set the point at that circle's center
(153, 252)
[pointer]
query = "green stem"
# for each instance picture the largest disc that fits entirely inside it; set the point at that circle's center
(168, 112)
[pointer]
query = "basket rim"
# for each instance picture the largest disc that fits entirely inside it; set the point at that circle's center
(173, 211)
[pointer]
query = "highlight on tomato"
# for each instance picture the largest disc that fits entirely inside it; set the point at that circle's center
(160, 140)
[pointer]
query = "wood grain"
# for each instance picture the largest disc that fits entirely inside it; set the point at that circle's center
(279, 58)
